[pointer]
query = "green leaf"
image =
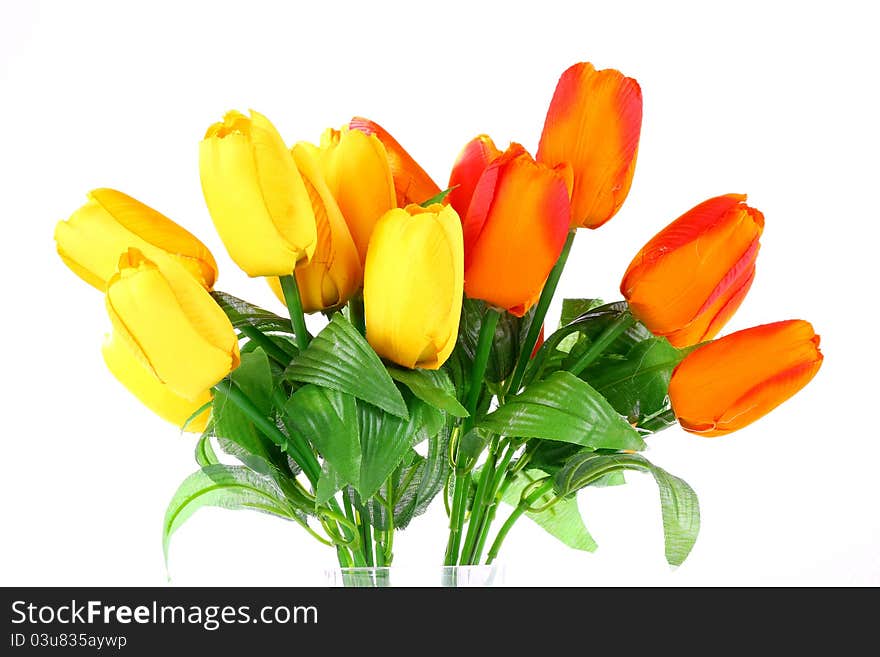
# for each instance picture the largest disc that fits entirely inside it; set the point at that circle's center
(438, 198)
(574, 308)
(386, 439)
(329, 419)
(562, 520)
(205, 454)
(431, 386)
(229, 487)
(340, 358)
(329, 483)
(564, 408)
(254, 377)
(240, 313)
(509, 333)
(636, 384)
(678, 501)
(582, 331)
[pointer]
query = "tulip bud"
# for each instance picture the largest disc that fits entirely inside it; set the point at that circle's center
(411, 183)
(92, 239)
(334, 273)
(155, 395)
(413, 285)
(593, 124)
(687, 282)
(255, 195)
(514, 230)
(731, 382)
(355, 166)
(171, 324)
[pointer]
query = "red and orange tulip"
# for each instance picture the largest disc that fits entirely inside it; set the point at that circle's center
(477, 154)
(728, 384)
(515, 227)
(690, 278)
(593, 124)
(411, 183)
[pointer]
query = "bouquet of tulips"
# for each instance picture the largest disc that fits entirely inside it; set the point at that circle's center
(432, 376)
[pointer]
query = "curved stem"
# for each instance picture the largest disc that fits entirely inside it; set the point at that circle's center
(294, 306)
(531, 338)
(609, 335)
(498, 481)
(520, 509)
(479, 508)
(269, 346)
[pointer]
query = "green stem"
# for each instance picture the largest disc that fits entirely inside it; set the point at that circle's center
(356, 311)
(349, 513)
(609, 335)
(520, 509)
(481, 360)
(389, 536)
(456, 518)
(462, 476)
(494, 497)
(269, 346)
(294, 306)
(479, 507)
(531, 339)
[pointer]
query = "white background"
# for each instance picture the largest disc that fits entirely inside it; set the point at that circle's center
(774, 99)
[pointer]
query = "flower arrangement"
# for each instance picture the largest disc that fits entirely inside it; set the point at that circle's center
(432, 376)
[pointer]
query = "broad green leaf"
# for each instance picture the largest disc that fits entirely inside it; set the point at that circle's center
(340, 358)
(574, 308)
(678, 501)
(417, 481)
(329, 483)
(240, 313)
(562, 520)
(564, 408)
(636, 384)
(431, 386)
(329, 420)
(386, 439)
(254, 378)
(229, 487)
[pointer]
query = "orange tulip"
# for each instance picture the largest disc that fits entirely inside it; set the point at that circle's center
(411, 182)
(593, 124)
(692, 276)
(728, 384)
(515, 228)
(472, 161)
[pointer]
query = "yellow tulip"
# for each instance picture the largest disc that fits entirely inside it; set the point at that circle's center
(413, 285)
(92, 239)
(356, 168)
(334, 273)
(256, 196)
(171, 324)
(155, 395)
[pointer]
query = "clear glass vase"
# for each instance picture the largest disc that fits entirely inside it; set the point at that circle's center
(441, 576)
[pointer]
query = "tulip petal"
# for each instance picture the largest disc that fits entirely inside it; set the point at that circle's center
(413, 285)
(730, 383)
(356, 168)
(593, 123)
(411, 182)
(684, 281)
(92, 239)
(256, 196)
(477, 154)
(154, 394)
(170, 324)
(514, 239)
(334, 273)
